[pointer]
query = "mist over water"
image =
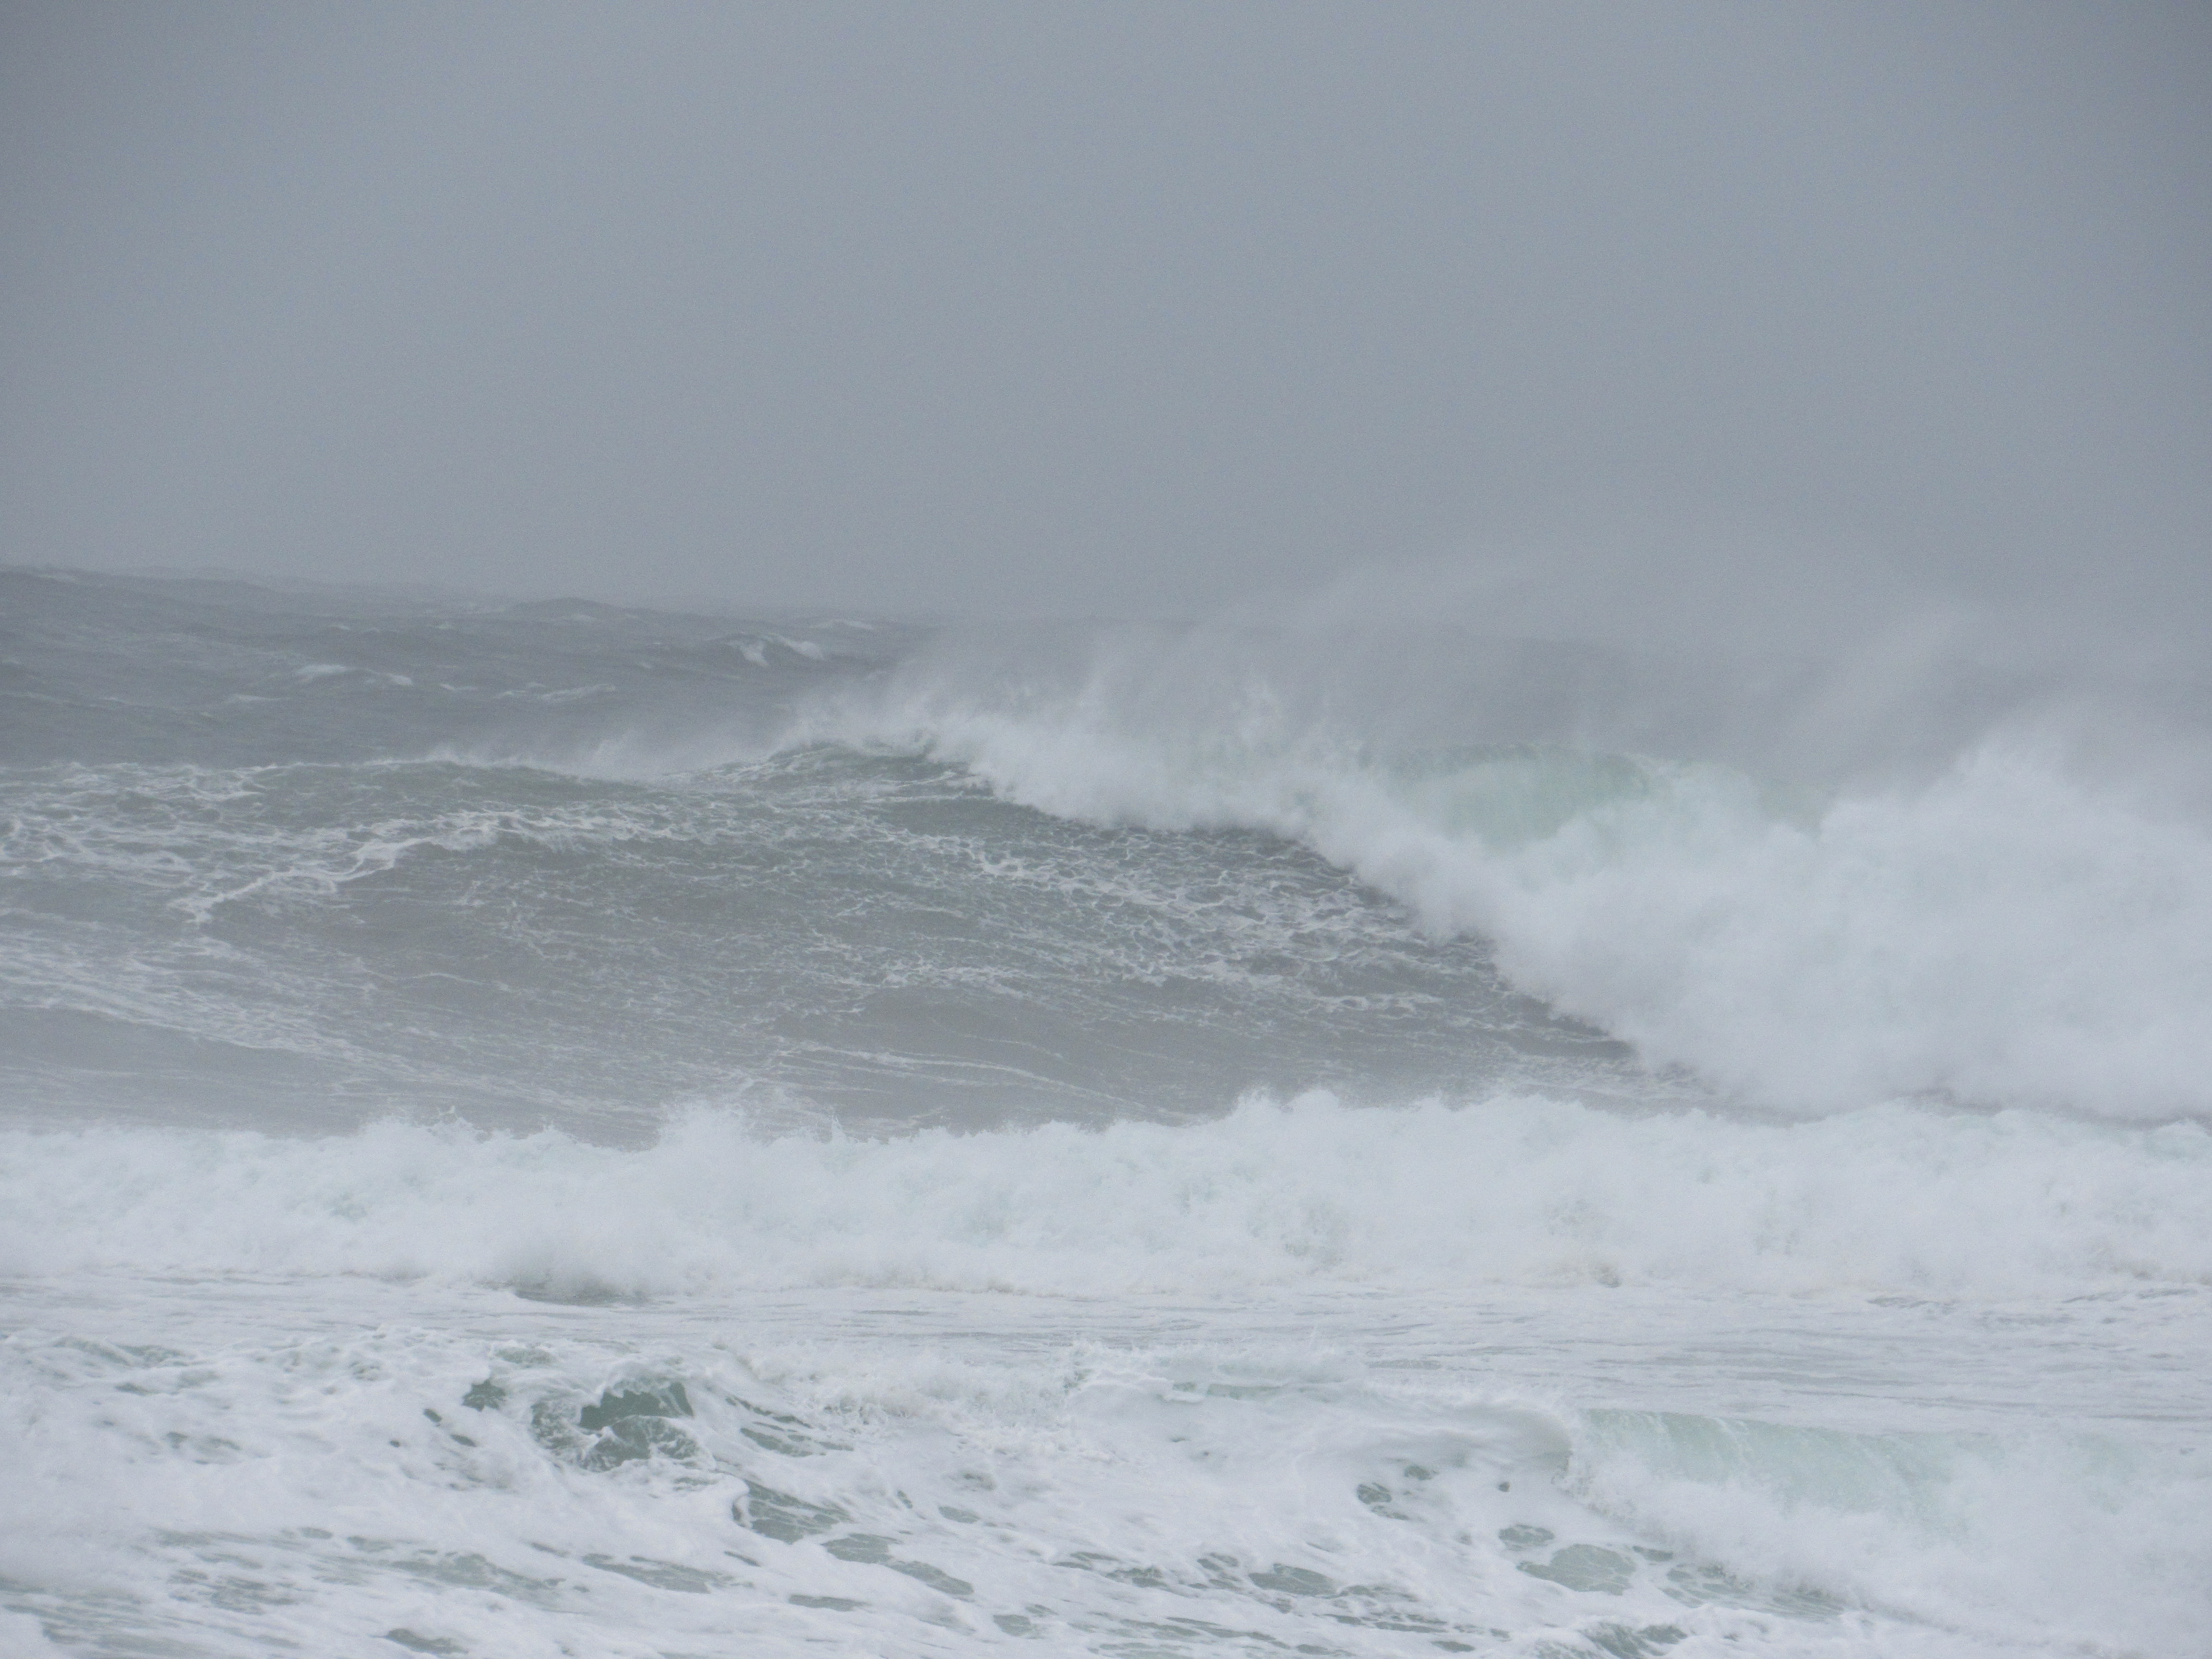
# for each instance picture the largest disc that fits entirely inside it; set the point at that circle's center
(531, 1124)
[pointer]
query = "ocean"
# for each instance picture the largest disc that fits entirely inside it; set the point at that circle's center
(555, 1129)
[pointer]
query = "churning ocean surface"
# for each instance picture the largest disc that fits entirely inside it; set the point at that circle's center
(555, 1129)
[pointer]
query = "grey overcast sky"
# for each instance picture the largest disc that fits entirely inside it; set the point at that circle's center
(1135, 308)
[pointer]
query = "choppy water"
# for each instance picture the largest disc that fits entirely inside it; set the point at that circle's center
(554, 1129)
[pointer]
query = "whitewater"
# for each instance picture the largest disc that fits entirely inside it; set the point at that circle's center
(564, 1129)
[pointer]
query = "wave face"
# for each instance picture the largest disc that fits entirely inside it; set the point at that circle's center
(568, 1128)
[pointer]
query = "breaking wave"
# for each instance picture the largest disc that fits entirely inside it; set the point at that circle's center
(1513, 1190)
(1998, 929)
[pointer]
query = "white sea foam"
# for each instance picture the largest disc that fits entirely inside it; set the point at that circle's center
(323, 1465)
(1507, 1191)
(2033, 1542)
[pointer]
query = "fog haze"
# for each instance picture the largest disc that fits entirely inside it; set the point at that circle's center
(1135, 310)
